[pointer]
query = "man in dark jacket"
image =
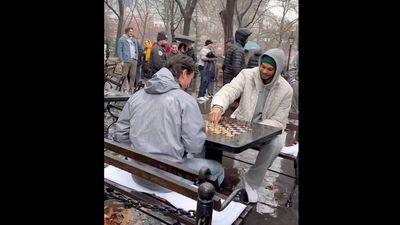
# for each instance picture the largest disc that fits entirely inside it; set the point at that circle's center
(235, 58)
(190, 51)
(158, 56)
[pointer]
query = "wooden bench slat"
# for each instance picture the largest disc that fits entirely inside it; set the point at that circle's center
(151, 160)
(164, 181)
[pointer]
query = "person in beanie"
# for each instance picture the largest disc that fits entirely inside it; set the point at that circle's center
(235, 56)
(266, 99)
(158, 56)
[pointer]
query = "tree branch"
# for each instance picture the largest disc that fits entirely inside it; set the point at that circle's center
(193, 5)
(258, 6)
(248, 7)
(109, 6)
(238, 17)
(137, 24)
(177, 25)
(131, 12)
(188, 5)
(180, 7)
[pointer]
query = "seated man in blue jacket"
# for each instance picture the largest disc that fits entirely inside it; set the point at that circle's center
(163, 120)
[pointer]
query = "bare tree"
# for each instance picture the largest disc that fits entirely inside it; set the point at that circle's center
(163, 11)
(187, 13)
(143, 11)
(284, 25)
(120, 17)
(130, 15)
(240, 14)
(226, 16)
(174, 22)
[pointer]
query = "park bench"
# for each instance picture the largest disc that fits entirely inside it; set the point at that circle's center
(112, 76)
(201, 187)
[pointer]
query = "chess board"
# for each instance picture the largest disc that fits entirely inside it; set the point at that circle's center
(228, 127)
(235, 136)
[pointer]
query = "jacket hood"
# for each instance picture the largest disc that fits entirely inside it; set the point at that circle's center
(258, 52)
(241, 35)
(161, 82)
(279, 56)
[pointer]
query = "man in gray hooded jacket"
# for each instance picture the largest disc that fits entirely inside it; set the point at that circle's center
(266, 99)
(162, 119)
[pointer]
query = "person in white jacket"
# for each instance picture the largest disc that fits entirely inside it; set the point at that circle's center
(265, 98)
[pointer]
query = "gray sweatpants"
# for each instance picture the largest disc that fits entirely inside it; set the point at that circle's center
(265, 158)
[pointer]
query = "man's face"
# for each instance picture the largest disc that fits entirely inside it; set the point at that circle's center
(185, 78)
(174, 48)
(266, 72)
(164, 43)
(130, 33)
(210, 46)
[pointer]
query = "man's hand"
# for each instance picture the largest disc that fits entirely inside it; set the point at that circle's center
(215, 115)
(122, 63)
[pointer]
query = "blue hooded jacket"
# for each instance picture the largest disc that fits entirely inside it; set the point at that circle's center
(162, 119)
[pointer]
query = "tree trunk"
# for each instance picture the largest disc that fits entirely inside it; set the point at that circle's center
(144, 29)
(186, 25)
(120, 24)
(172, 25)
(226, 16)
(187, 13)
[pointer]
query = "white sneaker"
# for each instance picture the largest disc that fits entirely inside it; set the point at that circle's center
(202, 99)
(251, 192)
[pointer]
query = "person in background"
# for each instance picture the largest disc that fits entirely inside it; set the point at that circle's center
(158, 56)
(128, 54)
(210, 70)
(146, 59)
(254, 59)
(174, 49)
(182, 47)
(205, 75)
(190, 51)
(235, 56)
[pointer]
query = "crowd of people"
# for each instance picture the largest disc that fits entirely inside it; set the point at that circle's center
(165, 120)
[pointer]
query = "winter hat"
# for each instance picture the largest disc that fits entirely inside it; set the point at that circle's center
(269, 60)
(161, 36)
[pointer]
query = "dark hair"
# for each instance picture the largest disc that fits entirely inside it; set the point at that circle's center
(177, 63)
(127, 29)
(208, 42)
(182, 45)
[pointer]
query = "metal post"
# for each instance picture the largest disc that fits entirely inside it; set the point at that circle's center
(288, 60)
(291, 41)
(205, 204)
